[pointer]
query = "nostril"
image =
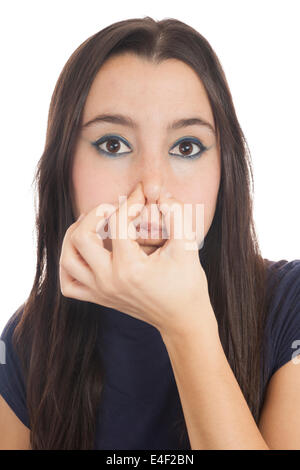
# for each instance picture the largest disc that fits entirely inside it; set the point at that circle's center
(151, 192)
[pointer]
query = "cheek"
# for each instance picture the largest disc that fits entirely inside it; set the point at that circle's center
(92, 185)
(209, 199)
(202, 193)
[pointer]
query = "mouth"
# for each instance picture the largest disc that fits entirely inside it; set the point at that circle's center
(144, 238)
(151, 234)
(149, 249)
(150, 242)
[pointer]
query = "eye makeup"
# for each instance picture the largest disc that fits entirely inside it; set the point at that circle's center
(107, 138)
(116, 139)
(193, 141)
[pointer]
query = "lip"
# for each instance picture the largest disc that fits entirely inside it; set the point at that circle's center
(148, 227)
(150, 242)
(151, 234)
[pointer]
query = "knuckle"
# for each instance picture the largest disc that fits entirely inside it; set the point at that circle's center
(75, 237)
(104, 287)
(137, 274)
(78, 234)
(69, 232)
(133, 273)
(66, 263)
(80, 238)
(64, 290)
(121, 275)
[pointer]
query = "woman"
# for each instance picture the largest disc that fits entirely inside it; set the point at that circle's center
(141, 343)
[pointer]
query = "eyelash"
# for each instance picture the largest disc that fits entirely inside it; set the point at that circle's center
(106, 138)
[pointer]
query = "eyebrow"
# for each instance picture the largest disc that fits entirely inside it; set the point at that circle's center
(127, 121)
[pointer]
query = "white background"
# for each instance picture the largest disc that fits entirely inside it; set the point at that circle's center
(258, 45)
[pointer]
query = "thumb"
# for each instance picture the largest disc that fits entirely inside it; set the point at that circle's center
(178, 220)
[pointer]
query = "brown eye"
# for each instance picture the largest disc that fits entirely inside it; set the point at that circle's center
(110, 145)
(187, 146)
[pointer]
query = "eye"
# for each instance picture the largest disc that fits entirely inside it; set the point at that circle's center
(187, 146)
(111, 145)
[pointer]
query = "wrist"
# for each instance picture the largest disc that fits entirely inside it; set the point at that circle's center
(199, 323)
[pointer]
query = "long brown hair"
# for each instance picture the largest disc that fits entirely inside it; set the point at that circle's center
(56, 337)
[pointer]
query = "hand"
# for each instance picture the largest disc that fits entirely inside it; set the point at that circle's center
(167, 289)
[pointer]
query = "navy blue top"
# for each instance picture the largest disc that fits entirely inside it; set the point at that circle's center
(140, 404)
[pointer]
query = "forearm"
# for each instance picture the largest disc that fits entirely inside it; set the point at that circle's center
(216, 413)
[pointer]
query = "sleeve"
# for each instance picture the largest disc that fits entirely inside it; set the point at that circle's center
(12, 386)
(286, 336)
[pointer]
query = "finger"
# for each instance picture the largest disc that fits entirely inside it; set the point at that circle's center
(123, 229)
(178, 220)
(74, 273)
(88, 236)
(72, 288)
(74, 265)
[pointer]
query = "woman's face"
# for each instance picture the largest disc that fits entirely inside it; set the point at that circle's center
(149, 150)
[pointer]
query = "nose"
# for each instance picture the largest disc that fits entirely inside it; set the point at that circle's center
(152, 190)
(153, 174)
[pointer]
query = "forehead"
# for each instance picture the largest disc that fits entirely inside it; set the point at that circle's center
(131, 83)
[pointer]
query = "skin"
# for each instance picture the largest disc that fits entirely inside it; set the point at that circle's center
(216, 414)
(153, 96)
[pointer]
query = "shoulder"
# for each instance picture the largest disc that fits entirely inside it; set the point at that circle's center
(283, 285)
(8, 349)
(12, 322)
(284, 271)
(283, 323)
(281, 398)
(12, 381)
